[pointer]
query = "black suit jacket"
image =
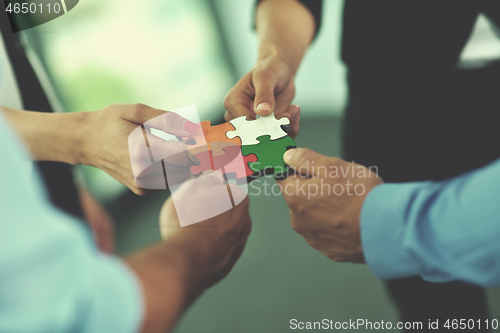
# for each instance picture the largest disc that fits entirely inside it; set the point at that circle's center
(57, 176)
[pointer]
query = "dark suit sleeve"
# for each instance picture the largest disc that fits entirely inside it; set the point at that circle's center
(316, 9)
(314, 6)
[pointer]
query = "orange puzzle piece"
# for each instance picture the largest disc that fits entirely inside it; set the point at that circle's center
(208, 134)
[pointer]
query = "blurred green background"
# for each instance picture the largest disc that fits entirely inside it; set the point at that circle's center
(172, 53)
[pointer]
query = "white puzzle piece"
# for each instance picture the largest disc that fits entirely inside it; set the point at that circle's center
(250, 130)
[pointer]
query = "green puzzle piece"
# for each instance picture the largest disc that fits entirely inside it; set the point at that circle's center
(269, 153)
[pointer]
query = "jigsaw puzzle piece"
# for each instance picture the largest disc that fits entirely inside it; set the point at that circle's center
(232, 163)
(205, 160)
(217, 148)
(208, 134)
(239, 167)
(249, 130)
(269, 154)
(198, 149)
(222, 148)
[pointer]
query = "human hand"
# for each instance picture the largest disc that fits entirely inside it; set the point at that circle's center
(325, 206)
(114, 142)
(191, 258)
(211, 246)
(267, 88)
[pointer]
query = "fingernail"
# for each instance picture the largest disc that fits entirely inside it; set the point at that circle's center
(190, 126)
(265, 106)
(288, 155)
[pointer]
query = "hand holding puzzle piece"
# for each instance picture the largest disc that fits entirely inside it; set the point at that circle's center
(241, 149)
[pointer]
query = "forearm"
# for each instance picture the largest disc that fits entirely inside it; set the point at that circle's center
(169, 282)
(285, 28)
(442, 231)
(49, 136)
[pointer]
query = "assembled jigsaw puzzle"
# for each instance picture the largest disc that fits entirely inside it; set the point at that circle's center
(242, 149)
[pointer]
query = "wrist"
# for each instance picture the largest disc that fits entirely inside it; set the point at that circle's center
(185, 262)
(70, 142)
(80, 138)
(48, 136)
(272, 52)
(59, 139)
(285, 28)
(166, 276)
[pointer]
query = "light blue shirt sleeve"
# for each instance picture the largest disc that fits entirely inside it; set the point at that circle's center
(443, 231)
(52, 277)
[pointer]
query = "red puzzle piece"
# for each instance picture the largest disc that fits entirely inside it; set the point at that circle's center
(232, 161)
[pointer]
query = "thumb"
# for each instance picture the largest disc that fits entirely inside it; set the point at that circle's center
(172, 152)
(307, 162)
(166, 121)
(264, 84)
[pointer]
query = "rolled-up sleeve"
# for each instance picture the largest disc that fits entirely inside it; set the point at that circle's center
(442, 231)
(52, 277)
